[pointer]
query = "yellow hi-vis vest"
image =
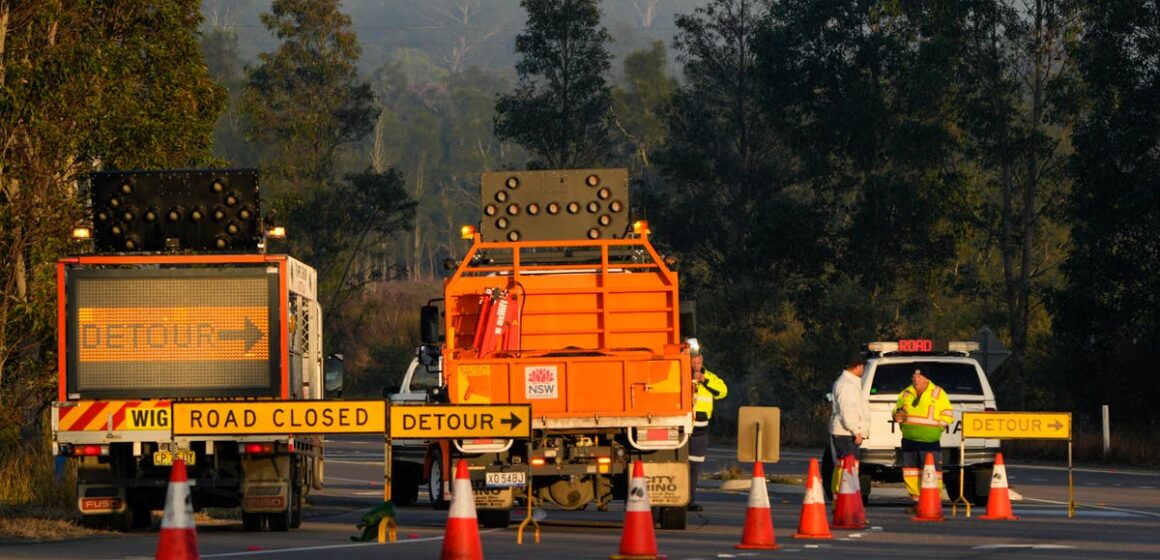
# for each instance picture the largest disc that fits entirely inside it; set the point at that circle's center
(926, 415)
(704, 393)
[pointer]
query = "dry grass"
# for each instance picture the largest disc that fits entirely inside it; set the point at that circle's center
(1137, 450)
(34, 505)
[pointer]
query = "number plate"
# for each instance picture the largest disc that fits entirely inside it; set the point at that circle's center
(165, 458)
(505, 479)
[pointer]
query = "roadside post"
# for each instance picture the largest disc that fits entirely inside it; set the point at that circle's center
(1016, 425)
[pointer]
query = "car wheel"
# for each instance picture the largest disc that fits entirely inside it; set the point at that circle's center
(435, 485)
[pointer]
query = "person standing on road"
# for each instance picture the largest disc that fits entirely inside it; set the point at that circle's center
(850, 420)
(923, 411)
(707, 387)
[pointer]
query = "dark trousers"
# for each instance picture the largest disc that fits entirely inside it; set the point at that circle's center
(698, 447)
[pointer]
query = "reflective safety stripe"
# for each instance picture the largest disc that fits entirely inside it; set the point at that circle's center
(697, 458)
(701, 424)
(920, 421)
(703, 398)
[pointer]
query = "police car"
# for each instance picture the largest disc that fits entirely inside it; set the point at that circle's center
(949, 365)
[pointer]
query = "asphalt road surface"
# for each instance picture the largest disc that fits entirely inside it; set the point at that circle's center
(1118, 516)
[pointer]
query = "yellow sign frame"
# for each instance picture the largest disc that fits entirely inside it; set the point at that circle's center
(239, 418)
(1017, 425)
(460, 421)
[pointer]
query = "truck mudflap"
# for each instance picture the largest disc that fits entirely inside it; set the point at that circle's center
(266, 484)
(97, 499)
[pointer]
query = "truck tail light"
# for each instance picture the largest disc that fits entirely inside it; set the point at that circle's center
(660, 434)
(604, 460)
(91, 450)
(258, 448)
(538, 461)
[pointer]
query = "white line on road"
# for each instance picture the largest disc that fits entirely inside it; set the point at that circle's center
(1107, 508)
(328, 547)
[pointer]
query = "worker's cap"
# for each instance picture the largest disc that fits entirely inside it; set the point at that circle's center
(855, 359)
(694, 347)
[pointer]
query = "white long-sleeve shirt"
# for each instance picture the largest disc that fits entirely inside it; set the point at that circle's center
(851, 410)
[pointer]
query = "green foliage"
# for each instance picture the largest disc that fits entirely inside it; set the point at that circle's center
(1108, 314)
(116, 84)
(304, 101)
(637, 106)
(560, 110)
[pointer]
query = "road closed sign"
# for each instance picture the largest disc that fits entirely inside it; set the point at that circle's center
(278, 417)
(1017, 425)
(460, 421)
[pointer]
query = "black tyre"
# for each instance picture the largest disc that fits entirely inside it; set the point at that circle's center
(435, 486)
(674, 518)
(495, 518)
(252, 521)
(405, 482)
(282, 520)
(976, 485)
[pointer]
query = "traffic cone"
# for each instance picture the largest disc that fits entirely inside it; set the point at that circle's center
(999, 500)
(758, 532)
(461, 539)
(848, 510)
(813, 524)
(929, 507)
(178, 531)
(637, 540)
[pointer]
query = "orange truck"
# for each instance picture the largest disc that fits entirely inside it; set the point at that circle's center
(177, 300)
(561, 304)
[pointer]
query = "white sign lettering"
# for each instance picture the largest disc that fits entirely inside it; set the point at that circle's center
(541, 382)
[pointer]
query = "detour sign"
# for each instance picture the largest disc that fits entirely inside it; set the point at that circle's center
(1017, 425)
(279, 417)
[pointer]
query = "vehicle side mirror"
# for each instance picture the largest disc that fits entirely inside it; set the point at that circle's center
(429, 324)
(334, 371)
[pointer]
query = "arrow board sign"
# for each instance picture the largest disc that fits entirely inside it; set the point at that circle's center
(460, 421)
(278, 418)
(1017, 425)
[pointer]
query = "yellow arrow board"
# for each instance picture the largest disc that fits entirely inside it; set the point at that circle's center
(461, 421)
(279, 417)
(1017, 425)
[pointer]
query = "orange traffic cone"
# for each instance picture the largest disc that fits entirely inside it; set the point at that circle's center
(930, 496)
(637, 541)
(461, 539)
(178, 531)
(813, 524)
(758, 532)
(848, 510)
(999, 500)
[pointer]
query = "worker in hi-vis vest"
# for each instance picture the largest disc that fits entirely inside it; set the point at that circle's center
(707, 387)
(924, 411)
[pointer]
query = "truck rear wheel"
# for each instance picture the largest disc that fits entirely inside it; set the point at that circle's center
(252, 521)
(495, 518)
(674, 518)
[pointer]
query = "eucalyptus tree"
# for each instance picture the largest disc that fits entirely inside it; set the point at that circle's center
(560, 110)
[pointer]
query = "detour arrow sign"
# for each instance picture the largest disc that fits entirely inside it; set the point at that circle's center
(460, 421)
(1017, 425)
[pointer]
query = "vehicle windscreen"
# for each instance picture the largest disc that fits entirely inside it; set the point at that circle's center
(955, 378)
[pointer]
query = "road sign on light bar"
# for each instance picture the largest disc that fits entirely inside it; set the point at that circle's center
(1017, 425)
(461, 421)
(278, 417)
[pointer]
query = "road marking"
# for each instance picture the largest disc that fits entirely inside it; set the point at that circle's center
(1079, 507)
(328, 547)
(1022, 546)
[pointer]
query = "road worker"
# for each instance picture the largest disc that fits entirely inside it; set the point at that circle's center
(924, 411)
(850, 419)
(707, 387)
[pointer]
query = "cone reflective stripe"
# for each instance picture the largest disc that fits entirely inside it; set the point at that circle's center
(637, 540)
(461, 539)
(848, 510)
(758, 532)
(999, 499)
(178, 531)
(813, 524)
(929, 507)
